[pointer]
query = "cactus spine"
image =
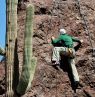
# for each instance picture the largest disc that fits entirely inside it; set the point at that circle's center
(11, 36)
(29, 61)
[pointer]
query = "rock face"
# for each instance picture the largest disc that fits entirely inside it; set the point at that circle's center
(50, 16)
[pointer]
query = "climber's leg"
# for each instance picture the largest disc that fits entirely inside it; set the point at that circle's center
(74, 70)
(56, 54)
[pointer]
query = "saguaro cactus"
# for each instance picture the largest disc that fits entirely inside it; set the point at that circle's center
(29, 61)
(28, 68)
(11, 36)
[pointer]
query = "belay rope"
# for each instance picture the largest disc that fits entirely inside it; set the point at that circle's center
(85, 25)
(90, 40)
(86, 29)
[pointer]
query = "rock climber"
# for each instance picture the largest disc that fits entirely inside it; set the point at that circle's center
(65, 44)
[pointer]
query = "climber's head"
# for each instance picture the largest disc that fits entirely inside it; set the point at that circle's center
(62, 31)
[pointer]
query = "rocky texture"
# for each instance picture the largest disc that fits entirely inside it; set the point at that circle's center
(50, 16)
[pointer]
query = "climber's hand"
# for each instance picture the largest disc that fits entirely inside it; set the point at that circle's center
(52, 37)
(81, 41)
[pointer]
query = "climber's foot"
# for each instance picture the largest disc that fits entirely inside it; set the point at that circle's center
(55, 63)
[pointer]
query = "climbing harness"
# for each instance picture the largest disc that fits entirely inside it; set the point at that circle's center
(71, 52)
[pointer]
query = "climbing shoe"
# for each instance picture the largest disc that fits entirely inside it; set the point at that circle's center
(56, 63)
(76, 84)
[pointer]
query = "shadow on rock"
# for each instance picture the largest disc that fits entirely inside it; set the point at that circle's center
(64, 65)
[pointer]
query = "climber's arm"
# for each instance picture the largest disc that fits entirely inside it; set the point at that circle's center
(54, 41)
(76, 40)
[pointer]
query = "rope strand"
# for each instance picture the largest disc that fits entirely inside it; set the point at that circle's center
(85, 25)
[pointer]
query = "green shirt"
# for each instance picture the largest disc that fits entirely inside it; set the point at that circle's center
(65, 40)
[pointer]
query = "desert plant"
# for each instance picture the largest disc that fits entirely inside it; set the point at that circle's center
(29, 65)
(11, 36)
(29, 61)
(2, 51)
